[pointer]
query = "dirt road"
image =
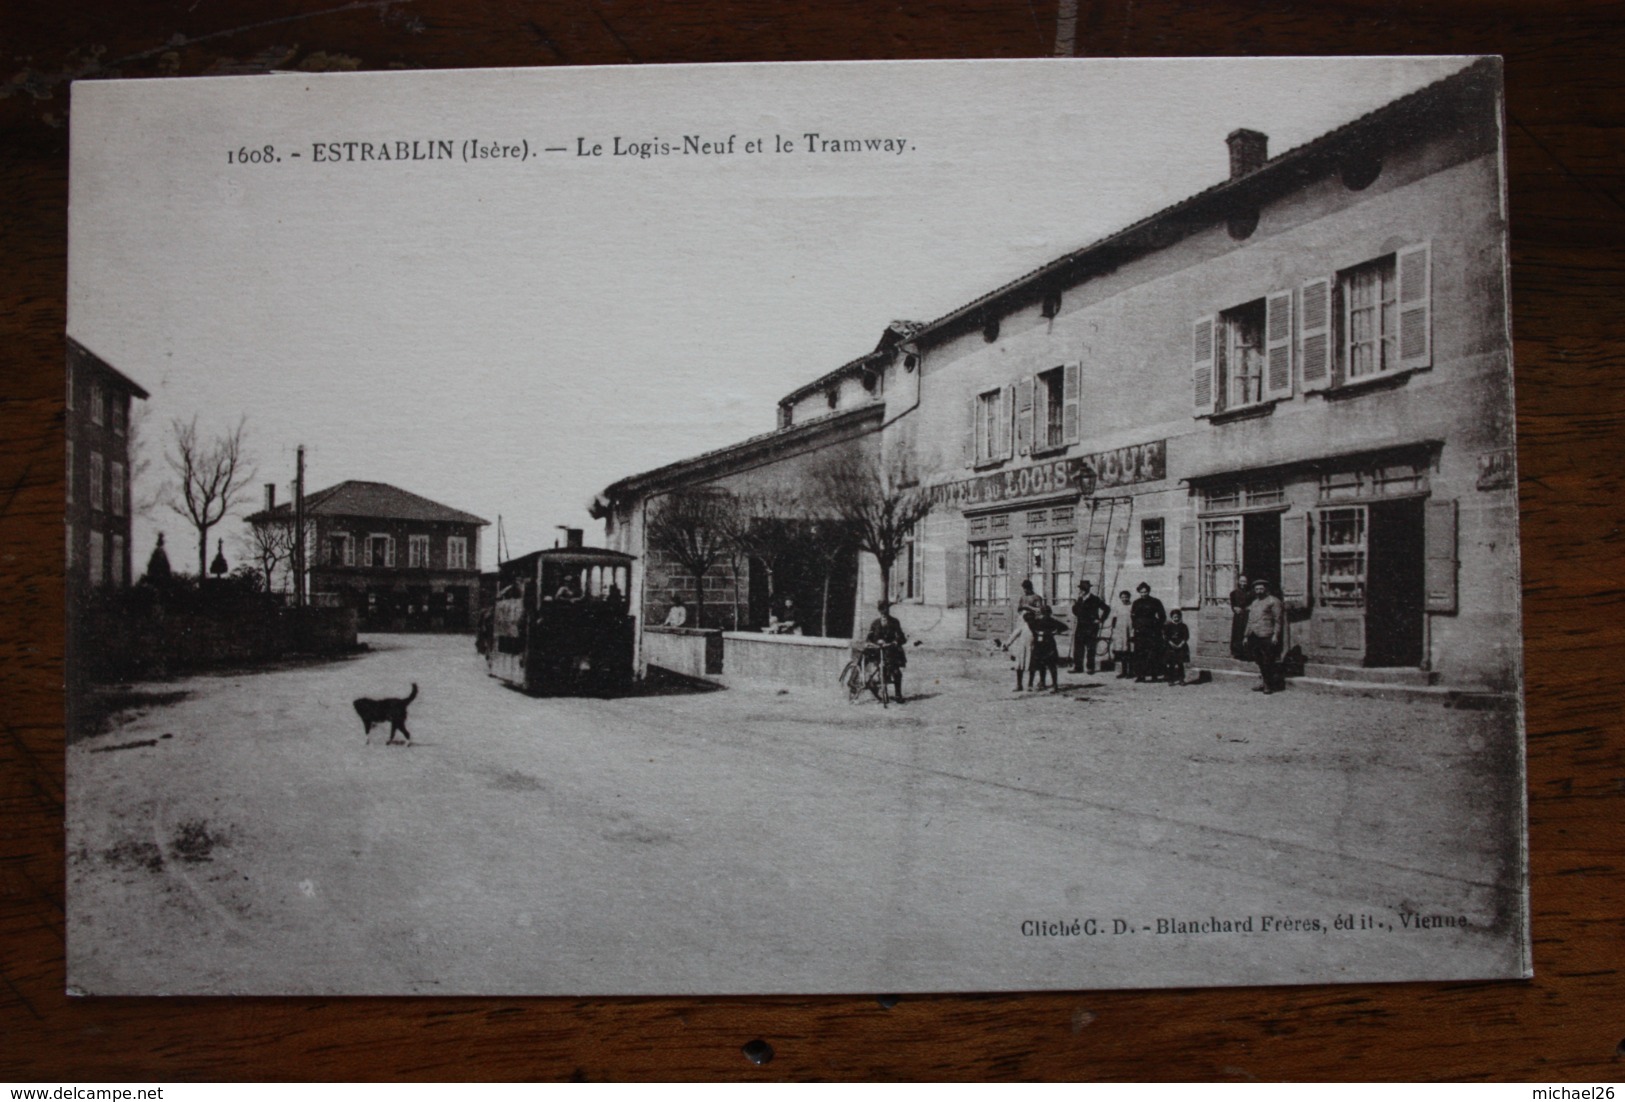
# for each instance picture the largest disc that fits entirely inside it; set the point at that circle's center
(248, 839)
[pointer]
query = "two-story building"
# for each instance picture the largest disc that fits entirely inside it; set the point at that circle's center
(97, 534)
(403, 562)
(1301, 374)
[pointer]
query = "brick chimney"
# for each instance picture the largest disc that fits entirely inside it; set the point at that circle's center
(1248, 151)
(270, 496)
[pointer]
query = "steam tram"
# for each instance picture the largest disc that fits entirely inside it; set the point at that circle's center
(560, 623)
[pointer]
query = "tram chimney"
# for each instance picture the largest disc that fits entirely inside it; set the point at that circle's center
(572, 537)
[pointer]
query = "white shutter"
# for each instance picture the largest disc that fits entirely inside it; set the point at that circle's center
(1203, 361)
(349, 550)
(1070, 382)
(1415, 272)
(1007, 442)
(1439, 539)
(970, 440)
(1278, 345)
(1315, 335)
(1026, 407)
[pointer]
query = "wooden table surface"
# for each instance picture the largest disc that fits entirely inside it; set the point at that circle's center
(1565, 111)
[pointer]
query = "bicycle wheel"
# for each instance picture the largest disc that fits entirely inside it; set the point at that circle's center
(852, 680)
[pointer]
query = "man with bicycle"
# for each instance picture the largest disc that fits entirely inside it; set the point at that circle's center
(887, 634)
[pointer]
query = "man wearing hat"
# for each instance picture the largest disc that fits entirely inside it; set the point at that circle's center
(1147, 617)
(1087, 613)
(887, 634)
(1266, 632)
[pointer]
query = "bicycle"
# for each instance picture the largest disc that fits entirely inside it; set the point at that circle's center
(867, 672)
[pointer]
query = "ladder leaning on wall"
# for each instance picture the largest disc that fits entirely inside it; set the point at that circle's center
(1105, 542)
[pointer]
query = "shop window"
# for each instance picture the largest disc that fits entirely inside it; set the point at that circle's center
(1152, 546)
(417, 552)
(1233, 497)
(990, 572)
(1342, 573)
(1049, 567)
(457, 552)
(1221, 559)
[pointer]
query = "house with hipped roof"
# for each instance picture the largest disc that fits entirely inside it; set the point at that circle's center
(400, 560)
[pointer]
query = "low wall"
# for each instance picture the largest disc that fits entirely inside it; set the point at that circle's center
(784, 659)
(123, 643)
(691, 652)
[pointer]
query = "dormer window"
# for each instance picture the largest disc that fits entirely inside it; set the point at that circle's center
(1051, 304)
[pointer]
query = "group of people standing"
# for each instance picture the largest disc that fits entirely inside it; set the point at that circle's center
(1146, 642)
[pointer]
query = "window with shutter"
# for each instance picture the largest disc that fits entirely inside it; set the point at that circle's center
(1415, 306)
(1278, 346)
(1071, 384)
(1007, 441)
(1050, 405)
(972, 455)
(1439, 538)
(1295, 560)
(1203, 363)
(1315, 335)
(1385, 316)
(1188, 587)
(1025, 419)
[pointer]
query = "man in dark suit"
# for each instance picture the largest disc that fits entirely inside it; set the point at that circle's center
(1088, 611)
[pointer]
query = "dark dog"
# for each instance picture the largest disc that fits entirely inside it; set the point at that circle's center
(390, 710)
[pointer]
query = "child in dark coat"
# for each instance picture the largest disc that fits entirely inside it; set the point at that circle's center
(1046, 654)
(1176, 649)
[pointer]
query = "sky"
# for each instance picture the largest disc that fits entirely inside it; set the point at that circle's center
(509, 335)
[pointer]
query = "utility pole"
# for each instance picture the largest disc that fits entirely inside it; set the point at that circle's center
(299, 531)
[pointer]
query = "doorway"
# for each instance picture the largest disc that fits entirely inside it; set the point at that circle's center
(1261, 548)
(1394, 602)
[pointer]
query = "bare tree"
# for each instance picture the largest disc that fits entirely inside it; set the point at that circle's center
(692, 527)
(879, 501)
(270, 544)
(760, 530)
(210, 479)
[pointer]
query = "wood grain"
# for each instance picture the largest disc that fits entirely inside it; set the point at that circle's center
(1565, 111)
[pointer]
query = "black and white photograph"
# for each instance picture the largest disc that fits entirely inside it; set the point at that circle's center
(793, 528)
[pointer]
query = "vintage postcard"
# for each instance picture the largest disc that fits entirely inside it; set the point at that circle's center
(877, 527)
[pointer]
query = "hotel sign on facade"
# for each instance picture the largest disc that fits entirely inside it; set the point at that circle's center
(1082, 474)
